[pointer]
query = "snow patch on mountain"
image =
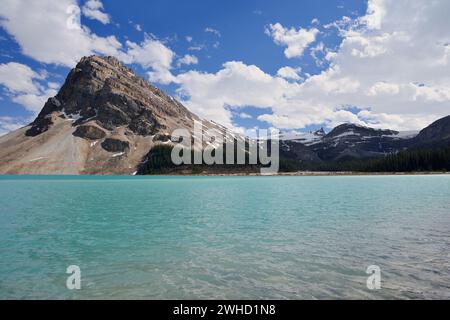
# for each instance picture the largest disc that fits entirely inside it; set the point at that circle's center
(306, 138)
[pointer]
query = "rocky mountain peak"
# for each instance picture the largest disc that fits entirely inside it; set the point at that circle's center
(103, 90)
(321, 132)
(438, 130)
(348, 129)
(104, 120)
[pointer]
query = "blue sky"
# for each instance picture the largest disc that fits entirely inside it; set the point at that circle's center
(304, 50)
(241, 25)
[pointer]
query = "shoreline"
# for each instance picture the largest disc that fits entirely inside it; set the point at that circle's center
(303, 174)
(254, 174)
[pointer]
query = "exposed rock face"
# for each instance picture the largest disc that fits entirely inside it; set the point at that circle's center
(162, 138)
(438, 131)
(103, 90)
(89, 132)
(115, 145)
(44, 119)
(321, 132)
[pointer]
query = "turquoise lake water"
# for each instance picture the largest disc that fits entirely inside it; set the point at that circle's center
(225, 237)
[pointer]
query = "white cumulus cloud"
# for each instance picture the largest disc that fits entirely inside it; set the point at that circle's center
(50, 31)
(289, 73)
(244, 115)
(384, 88)
(152, 54)
(8, 124)
(17, 77)
(188, 59)
(295, 41)
(92, 9)
(236, 85)
(24, 87)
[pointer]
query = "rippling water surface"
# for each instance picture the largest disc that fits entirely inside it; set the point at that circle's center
(225, 237)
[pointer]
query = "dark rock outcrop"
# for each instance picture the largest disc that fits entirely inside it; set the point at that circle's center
(115, 145)
(89, 132)
(321, 132)
(162, 138)
(44, 119)
(437, 132)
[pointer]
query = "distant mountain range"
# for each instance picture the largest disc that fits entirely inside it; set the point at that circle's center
(350, 141)
(106, 120)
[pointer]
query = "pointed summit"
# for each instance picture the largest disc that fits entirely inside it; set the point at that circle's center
(104, 90)
(321, 132)
(104, 119)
